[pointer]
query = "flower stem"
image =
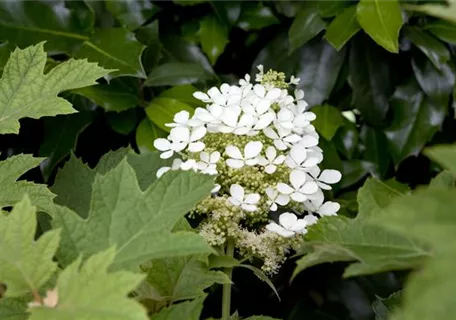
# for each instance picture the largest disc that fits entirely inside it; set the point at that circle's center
(226, 298)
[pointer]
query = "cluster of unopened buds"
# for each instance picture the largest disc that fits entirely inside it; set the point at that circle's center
(259, 142)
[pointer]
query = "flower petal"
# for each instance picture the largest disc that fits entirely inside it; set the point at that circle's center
(298, 153)
(181, 117)
(162, 144)
(201, 96)
(273, 94)
(233, 152)
(298, 178)
(248, 207)
(282, 199)
(162, 171)
(299, 225)
(237, 192)
(284, 188)
(274, 227)
(309, 187)
(329, 208)
(167, 154)
(204, 156)
(259, 90)
(270, 133)
(287, 220)
(330, 176)
(252, 149)
(271, 153)
(234, 163)
(252, 198)
(215, 157)
(298, 197)
(270, 169)
(196, 146)
(197, 133)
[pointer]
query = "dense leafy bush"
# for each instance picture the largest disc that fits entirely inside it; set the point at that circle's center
(87, 231)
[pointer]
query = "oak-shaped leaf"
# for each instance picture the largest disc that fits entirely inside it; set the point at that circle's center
(371, 247)
(25, 91)
(89, 292)
(12, 191)
(138, 223)
(25, 264)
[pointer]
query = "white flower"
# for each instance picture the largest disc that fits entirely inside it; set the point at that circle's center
(276, 198)
(216, 188)
(189, 137)
(271, 160)
(227, 95)
(189, 165)
(326, 177)
(182, 119)
(208, 163)
(247, 202)
(245, 82)
(298, 158)
(282, 139)
(310, 219)
(168, 147)
(300, 188)
(212, 116)
(175, 166)
(294, 80)
(238, 160)
(233, 121)
(289, 225)
(328, 208)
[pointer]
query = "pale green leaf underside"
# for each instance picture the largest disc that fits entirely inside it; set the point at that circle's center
(89, 292)
(26, 92)
(138, 223)
(189, 310)
(25, 264)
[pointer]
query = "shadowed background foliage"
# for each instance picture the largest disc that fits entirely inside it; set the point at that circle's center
(390, 64)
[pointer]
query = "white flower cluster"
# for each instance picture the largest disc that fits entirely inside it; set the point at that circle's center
(264, 128)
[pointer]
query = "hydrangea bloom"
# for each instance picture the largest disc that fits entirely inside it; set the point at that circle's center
(259, 142)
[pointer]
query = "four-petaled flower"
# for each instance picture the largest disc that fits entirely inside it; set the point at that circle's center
(325, 177)
(298, 158)
(276, 198)
(208, 162)
(247, 202)
(300, 187)
(289, 225)
(283, 139)
(271, 161)
(238, 160)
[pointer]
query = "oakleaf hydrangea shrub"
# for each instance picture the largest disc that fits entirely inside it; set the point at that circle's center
(259, 142)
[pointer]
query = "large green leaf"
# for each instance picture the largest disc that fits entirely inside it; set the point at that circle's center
(228, 12)
(384, 307)
(416, 119)
(68, 27)
(177, 49)
(13, 309)
(374, 248)
(64, 28)
(116, 96)
(444, 155)
(370, 78)
(146, 133)
(25, 264)
(88, 291)
(382, 20)
(132, 13)
(213, 36)
(254, 15)
(26, 92)
(189, 310)
(438, 83)
(319, 69)
(306, 25)
(331, 8)
(342, 28)
(376, 153)
(149, 36)
(115, 48)
(447, 12)
(12, 191)
(162, 110)
(73, 183)
(275, 56)
(329, 119)
(117, 201)
(181, 278)
(427, 215)
(444, 30)
(429, 45)
(176, 73)
(60, 137)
